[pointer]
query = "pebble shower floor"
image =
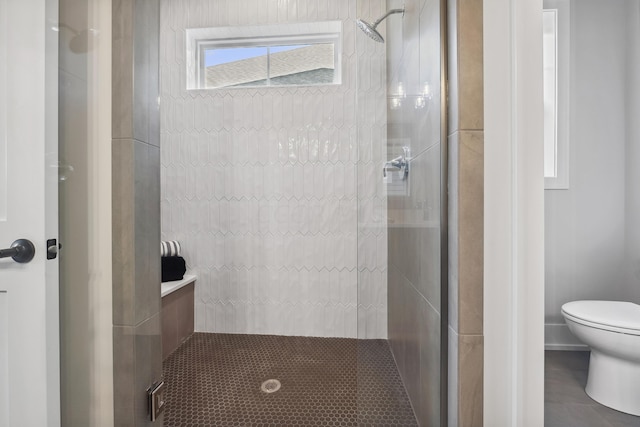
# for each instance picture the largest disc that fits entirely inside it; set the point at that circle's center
(215, 380)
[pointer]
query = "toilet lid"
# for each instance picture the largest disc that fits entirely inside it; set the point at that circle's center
(615, 314)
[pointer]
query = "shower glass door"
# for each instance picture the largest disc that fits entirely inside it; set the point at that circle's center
(399, 211)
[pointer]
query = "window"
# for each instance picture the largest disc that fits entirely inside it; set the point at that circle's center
(555, 21)
(274, 55)
(550, 28)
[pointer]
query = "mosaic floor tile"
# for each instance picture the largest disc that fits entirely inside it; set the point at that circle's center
(216, 379)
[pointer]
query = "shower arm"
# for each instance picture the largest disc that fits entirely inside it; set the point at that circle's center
(386, 15)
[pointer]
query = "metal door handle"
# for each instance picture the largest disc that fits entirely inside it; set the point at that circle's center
(22, 251)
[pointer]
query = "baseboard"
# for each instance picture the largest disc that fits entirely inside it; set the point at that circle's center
(559, 337)
(561, 347)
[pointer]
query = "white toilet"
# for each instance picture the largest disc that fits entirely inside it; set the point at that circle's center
(612, 330)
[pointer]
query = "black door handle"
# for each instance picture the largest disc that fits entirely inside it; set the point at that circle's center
(22, 251)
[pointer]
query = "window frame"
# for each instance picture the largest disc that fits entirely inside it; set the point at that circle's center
(201, 39)
(562, 120)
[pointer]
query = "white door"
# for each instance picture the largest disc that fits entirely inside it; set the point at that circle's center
(29, 344)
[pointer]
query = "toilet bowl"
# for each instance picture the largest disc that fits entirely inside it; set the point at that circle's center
(612, 330)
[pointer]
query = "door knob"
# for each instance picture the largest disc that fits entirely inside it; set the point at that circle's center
(22, 251)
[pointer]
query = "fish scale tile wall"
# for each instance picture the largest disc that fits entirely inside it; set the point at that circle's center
(276, 194)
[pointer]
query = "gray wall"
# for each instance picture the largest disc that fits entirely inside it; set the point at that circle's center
(136, 208)
(592, 229)
(413, 44)
(632, 250)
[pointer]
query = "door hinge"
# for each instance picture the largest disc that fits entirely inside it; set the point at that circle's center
(155, 394)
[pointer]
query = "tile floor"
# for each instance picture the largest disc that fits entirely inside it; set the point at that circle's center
(565, 402)
(215, 380)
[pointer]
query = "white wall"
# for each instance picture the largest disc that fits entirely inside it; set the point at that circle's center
(586, 226)
(513, 214)
(276, 194)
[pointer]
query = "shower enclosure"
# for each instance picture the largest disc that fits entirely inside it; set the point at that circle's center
(301, 170)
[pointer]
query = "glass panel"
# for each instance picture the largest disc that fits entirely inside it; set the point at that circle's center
(401, 188)
(279, 65)
(279, 199)
(302, 65)
(300, 53)
(238, 66)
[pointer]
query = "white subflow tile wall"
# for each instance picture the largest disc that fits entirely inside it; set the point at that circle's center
(276, 194)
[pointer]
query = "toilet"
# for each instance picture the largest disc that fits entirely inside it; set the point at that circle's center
(612, 330)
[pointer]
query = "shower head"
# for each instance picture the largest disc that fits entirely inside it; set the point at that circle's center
(370, 29)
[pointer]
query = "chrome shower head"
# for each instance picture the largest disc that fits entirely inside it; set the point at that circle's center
(370, 29)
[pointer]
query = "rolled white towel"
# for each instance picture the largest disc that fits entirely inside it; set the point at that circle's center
(170, 248)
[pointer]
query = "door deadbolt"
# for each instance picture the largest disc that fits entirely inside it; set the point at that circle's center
(53, 247)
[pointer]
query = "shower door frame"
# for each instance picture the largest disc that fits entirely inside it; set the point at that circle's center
(444, 214)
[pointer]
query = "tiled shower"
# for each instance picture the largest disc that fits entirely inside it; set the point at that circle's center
(363, 245)
(279, 197)
(284, 209)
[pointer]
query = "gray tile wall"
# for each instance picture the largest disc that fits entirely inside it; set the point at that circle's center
(466, 206)
(136, 208)
(414, 224)
(177, 318)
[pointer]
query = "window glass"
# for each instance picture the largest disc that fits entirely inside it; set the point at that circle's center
(237, 66)
(267, 55)
(549, 25)
(556, 70)
(302, 65)
(278, 65)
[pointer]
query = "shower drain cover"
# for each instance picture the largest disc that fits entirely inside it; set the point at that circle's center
(270, 386)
